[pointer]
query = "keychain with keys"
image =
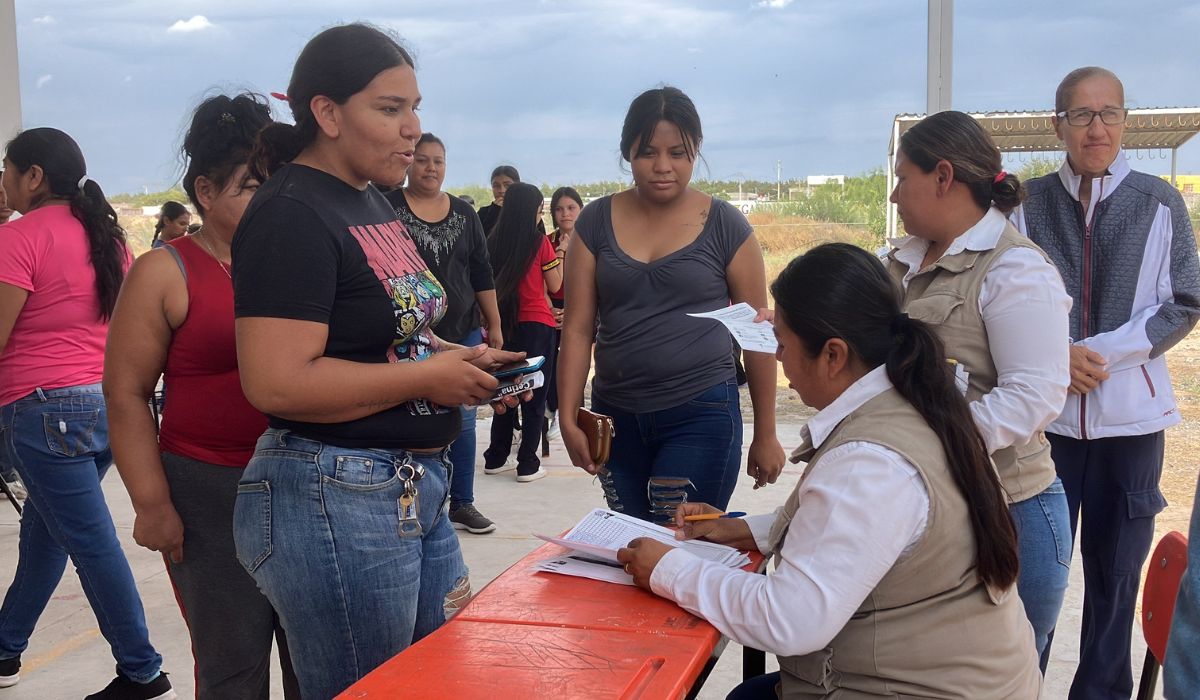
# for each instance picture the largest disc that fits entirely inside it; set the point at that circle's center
(410, 525)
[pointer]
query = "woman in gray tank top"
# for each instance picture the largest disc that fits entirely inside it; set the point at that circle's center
(642, 260)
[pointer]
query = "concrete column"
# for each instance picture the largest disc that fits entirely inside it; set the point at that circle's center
(941, 56)
(10, 80)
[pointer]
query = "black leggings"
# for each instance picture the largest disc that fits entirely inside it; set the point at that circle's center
(533, 339)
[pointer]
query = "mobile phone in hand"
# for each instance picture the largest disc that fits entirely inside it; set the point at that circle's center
(526, 366)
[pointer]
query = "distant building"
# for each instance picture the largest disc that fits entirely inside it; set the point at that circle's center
(817, 180)
(1186, 184)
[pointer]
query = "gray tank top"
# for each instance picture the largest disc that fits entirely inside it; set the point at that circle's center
(650, 355)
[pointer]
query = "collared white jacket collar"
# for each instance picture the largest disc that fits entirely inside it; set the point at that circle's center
(1116, 173)
(984, 235)
(870, 385)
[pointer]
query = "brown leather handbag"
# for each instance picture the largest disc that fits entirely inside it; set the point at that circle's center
(600, 432)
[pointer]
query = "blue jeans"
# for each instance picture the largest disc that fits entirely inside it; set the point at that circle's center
(1044, 541)
(57, 440)
(320, 529)
(462, 450)
(1181, 672)
(655, 453)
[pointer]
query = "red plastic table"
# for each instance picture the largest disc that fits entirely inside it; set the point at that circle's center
(530, 634)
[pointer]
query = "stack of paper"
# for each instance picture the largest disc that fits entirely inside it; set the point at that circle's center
(595, 540)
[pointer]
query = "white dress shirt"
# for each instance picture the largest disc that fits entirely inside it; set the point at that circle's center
(1025, 310)
(862, 507)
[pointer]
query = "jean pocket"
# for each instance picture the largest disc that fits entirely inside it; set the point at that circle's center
(1136, 534)
(252, 524)
(717, 396)
(70, 433)
(1054, 507)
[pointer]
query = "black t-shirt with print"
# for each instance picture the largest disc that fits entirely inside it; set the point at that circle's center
(456, 252)
(312, 248)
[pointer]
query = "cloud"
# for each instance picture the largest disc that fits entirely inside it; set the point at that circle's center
(195, 24)
(43, 79)
(45, 20)
(774, 4)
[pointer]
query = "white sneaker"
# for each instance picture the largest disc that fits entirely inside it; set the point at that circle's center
(554, 432)
(18, 491)
(526, 478)
(509, 465)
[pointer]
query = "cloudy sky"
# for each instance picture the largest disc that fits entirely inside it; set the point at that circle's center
(544, 84)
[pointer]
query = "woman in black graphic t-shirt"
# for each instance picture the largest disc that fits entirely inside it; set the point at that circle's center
(340, 515)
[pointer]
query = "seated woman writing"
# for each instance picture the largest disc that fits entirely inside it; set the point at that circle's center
(895, 556)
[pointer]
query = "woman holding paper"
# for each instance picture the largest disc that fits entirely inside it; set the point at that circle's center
(1000, 308)
(895, 555)
(645, 258)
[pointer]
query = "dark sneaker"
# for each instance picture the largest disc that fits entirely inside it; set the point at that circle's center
(525, 477)
(10, 671)
(122, 688)
(466, 517)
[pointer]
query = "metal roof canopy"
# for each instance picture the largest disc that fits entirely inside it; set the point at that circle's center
(1032, 132)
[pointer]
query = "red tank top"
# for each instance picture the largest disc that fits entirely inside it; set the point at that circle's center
(206, 416)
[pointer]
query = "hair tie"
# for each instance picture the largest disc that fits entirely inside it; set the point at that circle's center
(900, 324)
(999, 178)
(82, 181)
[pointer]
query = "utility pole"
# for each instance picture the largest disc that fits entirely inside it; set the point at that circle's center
(778, 174)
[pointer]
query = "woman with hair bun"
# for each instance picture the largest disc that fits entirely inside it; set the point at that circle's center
(341, 513)
(61, 267)
(895, 555)
(174, 318)
(173, 222)
(1000, 308)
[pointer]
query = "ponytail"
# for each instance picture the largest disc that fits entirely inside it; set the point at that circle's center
(170, 210)
(841, 291)
(106, 242)
(917, 368)
(279, 143)
(65, 171)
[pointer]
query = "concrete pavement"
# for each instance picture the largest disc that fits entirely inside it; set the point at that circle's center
(67, 658)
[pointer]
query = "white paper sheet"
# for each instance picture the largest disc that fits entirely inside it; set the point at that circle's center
(602, 532)
(576, 565)
(739, 319)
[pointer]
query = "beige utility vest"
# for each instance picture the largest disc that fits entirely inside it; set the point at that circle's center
(930, 628)
(946, 296)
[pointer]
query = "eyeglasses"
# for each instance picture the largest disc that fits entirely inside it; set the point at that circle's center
(1084, 117)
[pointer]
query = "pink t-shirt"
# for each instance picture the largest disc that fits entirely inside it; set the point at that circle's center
(58, 339)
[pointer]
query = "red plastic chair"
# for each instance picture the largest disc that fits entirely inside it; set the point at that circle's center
(1167, 566)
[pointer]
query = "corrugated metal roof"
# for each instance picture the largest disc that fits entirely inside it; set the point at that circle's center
(1146, 128)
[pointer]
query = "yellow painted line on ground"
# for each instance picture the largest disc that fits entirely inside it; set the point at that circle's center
(64, 647)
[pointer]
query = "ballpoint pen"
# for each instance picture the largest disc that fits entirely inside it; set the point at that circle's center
(711, 516)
